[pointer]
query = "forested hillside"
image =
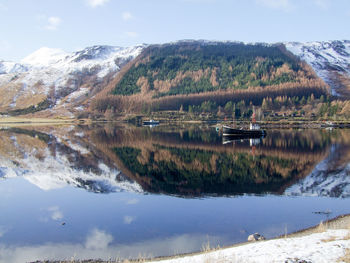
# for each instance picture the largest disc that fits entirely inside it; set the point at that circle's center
(193, 68)
(184, 74)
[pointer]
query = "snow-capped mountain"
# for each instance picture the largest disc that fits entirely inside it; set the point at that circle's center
(329, 59)
(60, 77)
(64, 82)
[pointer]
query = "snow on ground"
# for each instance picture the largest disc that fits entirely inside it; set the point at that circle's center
(76, 94)
(45, 57)
(324, 247)
(58, 65)
(7, 67)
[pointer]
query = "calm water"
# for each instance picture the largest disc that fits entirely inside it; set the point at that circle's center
(122, 192)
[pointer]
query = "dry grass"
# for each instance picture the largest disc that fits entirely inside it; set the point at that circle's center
(95, 261)
(346, 257)
(16, 121)
(330, 239)
(347, 237)
(19, 119)
(322, 227)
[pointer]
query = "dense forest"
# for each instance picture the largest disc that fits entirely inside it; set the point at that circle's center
(166, 77)
(194, 68)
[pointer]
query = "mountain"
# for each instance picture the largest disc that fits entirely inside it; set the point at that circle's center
(59, 81)
(330, 60)
(52, 82)
(188, 73)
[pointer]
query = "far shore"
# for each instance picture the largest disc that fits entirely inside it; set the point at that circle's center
(22, 121)
(282, 123)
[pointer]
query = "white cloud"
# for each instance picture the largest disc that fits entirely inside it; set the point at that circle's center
(98, 240)
(131, 34)
(276, 4)
(129, 219)
(56, 213)
(96, 3)
(53, 23)
(127, 16)
(51, 213)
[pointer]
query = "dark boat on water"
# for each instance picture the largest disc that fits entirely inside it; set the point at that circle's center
(253, 140)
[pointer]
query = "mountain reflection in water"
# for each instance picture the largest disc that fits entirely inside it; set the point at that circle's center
(194, 162)
(184, 161)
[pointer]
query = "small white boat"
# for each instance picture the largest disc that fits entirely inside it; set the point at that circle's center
(150, 123)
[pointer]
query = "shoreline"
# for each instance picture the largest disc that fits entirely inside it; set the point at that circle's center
(303, 123)
(212, 255)
(14, 121)
(339, 222)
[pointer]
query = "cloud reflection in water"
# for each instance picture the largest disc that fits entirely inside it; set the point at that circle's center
(98, 244)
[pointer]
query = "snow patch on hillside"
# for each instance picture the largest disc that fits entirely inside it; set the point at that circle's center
(59, 65)
(45, 57)
(97, 58)
(324, 57)
(56, 73)
(7, 67)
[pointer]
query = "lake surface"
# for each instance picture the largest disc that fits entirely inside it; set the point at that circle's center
(118, 191)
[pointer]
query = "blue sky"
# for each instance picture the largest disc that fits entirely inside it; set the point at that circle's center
(75, 24)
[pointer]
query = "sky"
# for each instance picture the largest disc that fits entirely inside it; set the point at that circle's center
(75, 24)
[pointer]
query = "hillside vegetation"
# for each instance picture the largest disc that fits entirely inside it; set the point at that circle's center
(166, 77)
(194, 68)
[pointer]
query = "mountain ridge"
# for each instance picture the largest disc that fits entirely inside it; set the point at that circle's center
(56, 82)
(56, 76)
(329, 59)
